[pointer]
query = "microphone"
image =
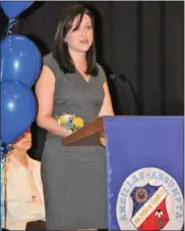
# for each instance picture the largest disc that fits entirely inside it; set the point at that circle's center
(128, 90)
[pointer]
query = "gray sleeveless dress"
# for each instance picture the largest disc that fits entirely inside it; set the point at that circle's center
(74, 178)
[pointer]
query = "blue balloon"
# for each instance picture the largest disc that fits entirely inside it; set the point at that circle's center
(13, 8)
(18, 110)
(20, 59)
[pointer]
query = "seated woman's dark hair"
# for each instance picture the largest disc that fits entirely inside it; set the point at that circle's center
(60, 52)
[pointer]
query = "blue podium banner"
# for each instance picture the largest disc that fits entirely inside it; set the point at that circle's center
(145, 172)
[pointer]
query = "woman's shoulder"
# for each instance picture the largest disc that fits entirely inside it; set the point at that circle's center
(49, 61)
(48, 57)
(99, 66)
(101, 73)
(35, 163)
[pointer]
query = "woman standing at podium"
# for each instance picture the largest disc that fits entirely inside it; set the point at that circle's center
(74, 178)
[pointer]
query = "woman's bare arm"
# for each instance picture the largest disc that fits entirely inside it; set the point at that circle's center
(45, 88)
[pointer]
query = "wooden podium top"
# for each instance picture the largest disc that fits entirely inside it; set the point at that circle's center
(88, 135)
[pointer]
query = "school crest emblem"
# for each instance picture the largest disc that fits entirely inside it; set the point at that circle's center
(150, 199)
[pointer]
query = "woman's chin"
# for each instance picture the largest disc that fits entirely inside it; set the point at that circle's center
(84, 48)
(26, 146)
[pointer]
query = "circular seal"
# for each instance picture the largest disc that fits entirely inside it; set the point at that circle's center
(141, 194)
(150, 199)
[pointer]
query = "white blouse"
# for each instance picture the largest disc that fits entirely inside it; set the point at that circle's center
(25, 201)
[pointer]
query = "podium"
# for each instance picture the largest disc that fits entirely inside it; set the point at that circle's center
(145, 172)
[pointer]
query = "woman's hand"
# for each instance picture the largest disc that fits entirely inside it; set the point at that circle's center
(102, 138)
(68, 133)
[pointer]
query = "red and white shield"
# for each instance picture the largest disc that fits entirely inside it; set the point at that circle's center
(151, 214)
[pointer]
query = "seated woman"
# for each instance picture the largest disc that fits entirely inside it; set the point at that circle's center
(23, 192)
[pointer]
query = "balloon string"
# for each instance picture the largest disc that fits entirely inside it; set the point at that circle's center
(2, 153)
(11, 23)
(1, 76)
(2, 177)
(4, 149)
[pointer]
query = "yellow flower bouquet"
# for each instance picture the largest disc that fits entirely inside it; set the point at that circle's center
(70, 121)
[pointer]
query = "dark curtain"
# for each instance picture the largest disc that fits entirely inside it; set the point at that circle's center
(140, 42)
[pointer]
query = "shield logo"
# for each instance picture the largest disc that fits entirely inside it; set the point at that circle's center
(149, 207)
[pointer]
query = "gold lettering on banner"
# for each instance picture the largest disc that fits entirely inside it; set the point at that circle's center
(149, 207)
